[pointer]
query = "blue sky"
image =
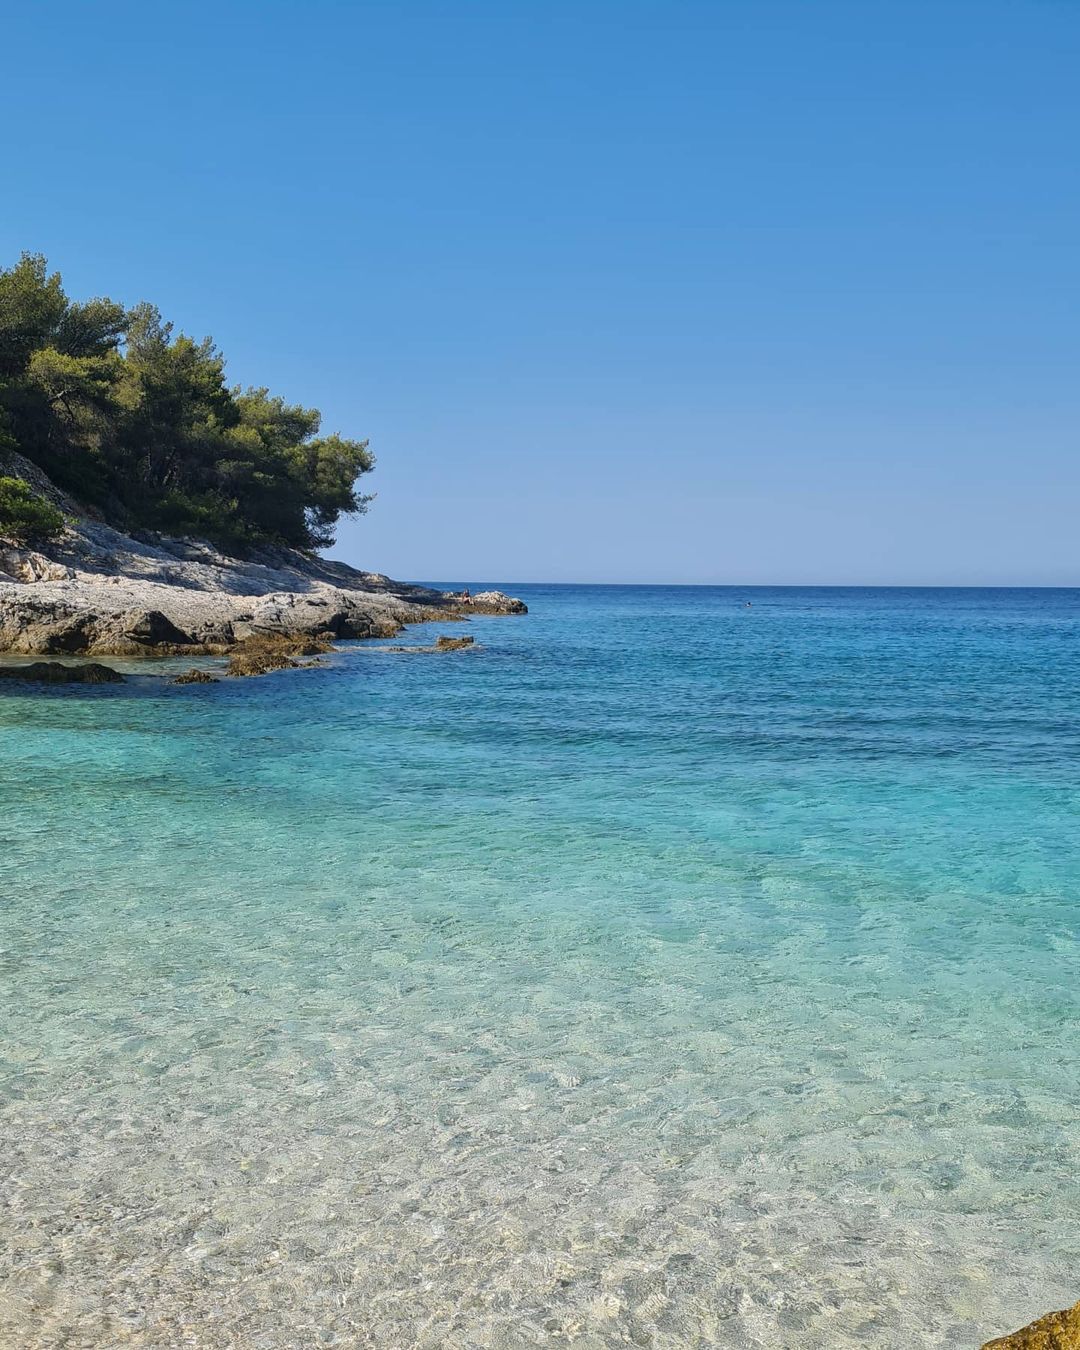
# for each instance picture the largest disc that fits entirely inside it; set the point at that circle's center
(740, 291)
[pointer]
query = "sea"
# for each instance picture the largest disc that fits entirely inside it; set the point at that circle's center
(678, 966)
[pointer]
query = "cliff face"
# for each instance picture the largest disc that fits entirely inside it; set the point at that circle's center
(98, 591)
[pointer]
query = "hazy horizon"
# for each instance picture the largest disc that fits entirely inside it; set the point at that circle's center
(681, 293)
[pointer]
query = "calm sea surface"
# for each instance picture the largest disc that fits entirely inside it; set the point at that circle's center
(666, 972)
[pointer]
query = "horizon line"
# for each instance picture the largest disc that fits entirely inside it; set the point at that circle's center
(794, 585)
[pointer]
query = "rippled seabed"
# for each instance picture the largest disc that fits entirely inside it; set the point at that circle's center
(667, 973)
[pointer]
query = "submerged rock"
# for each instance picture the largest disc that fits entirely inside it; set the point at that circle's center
(54, 672)
(196, 677)
(1055, 1331)
(441, 644)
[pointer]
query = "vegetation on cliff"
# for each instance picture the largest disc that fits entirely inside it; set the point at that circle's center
(141, 423)
(24, 516)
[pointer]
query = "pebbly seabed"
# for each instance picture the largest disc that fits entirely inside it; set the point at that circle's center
(668, 972)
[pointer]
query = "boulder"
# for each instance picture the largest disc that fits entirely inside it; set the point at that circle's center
(46, 626)
(1055, 1331)
(27, 566)
(151, 628)
(498, 602)
(196, 677)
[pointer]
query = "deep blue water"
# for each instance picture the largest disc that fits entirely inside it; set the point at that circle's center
(670, 970)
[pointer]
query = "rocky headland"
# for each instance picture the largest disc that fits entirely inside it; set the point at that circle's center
(96, 591)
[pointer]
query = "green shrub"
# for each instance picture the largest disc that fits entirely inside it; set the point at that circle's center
(24, 516)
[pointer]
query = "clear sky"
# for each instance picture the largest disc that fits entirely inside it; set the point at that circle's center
(682, 290)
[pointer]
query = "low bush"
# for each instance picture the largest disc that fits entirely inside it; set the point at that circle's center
(24, 516)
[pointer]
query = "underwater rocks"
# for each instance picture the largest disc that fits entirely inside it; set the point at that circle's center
(54, 672)
(1055, 1331)
(441, 644)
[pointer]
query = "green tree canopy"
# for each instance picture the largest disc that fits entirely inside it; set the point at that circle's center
(142, 422)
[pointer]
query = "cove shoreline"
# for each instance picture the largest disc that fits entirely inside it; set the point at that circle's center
(96, 591)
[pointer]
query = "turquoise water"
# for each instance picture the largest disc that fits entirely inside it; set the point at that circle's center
(667, 972)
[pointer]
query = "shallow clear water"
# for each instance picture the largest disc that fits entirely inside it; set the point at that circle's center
(668, 972)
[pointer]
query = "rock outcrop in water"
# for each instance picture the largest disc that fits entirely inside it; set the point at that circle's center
(55, 672)
(196, 677)
(261, 655)
(97, 591)
(1055, 1331)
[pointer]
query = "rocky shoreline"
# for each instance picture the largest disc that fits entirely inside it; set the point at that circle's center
(96, 591)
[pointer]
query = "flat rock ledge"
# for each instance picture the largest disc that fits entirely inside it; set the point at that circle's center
(95, 616)
(98, 592)
(1055, 1331)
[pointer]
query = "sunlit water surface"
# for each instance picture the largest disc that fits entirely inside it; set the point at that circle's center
(667, 972)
